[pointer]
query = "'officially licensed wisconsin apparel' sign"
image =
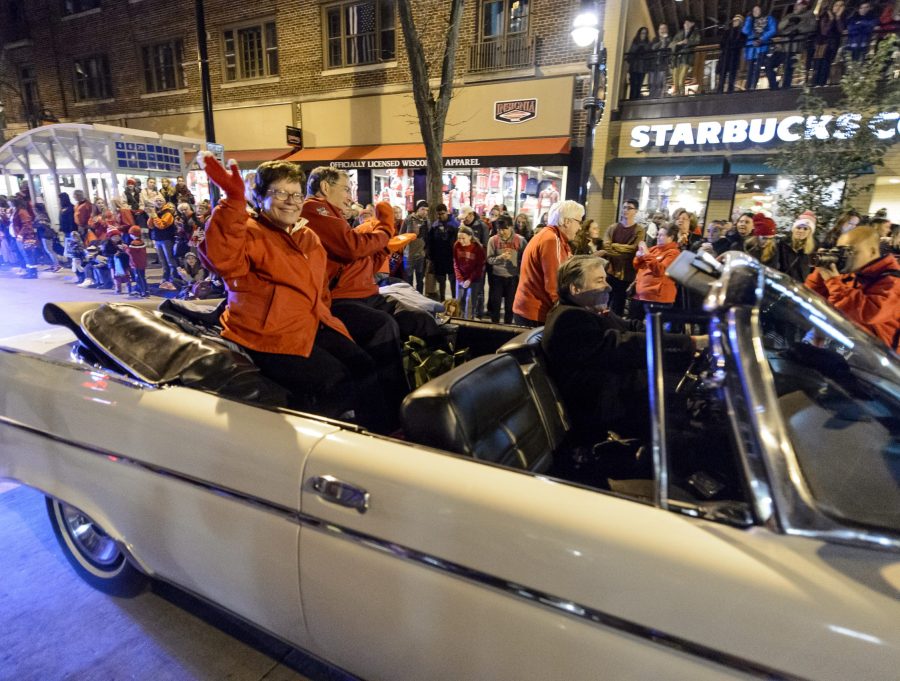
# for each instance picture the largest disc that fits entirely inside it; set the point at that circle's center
(515, 111)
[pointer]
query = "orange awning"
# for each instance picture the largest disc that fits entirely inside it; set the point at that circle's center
(532, 146)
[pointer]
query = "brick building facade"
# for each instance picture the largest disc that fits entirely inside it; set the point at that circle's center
(133, 63)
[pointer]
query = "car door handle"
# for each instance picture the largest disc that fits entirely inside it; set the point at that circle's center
(341, 493)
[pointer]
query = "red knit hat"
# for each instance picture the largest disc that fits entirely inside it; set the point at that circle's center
(130, 180)
(763, 225)
(134, 230)
(113, 232)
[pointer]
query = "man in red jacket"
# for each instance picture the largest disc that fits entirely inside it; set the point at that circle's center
(355, 299)
(867, 289)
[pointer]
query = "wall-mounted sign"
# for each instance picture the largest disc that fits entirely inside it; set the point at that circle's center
(763, 130)
(218, 151)
(294, 136)
(404, 163)
(140, 156)
(515, 111)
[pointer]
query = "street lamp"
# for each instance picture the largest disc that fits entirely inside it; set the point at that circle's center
(586, 31)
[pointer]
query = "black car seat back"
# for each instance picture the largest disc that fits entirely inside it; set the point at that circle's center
(483, 409)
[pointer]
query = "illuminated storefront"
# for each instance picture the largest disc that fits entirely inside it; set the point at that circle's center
(718, 167)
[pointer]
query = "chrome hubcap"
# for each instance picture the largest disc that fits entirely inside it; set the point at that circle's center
(91, 540)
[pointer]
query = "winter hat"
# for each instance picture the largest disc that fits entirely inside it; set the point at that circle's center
(421, 204)
(807, 216)
(113, 232)
(134, 231)
(92, 250)
(763, 225)
(804, 220)
(130, 181)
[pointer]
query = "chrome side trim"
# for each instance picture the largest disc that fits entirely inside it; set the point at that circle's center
(653, 328)
(559, 605)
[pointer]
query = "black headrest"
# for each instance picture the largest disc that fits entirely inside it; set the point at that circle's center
(481, 409)
(525, 346)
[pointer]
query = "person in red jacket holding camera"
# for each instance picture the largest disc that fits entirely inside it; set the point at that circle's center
(274, 269)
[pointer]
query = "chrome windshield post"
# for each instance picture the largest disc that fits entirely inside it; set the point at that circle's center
(657, 407)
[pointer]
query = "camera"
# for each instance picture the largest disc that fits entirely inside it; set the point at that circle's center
(839, 256)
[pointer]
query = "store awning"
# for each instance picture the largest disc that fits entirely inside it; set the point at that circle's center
(657, 167)
(543, 150)
(257, 156)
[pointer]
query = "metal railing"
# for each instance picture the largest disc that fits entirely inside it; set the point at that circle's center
(501, 53)
(708, 69)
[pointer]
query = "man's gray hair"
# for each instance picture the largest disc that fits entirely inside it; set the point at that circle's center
(574, 272)
(566, 209)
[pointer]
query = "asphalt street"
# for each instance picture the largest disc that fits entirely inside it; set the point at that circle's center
(53, 626)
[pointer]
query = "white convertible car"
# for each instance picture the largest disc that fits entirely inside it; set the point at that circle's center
(764, 541)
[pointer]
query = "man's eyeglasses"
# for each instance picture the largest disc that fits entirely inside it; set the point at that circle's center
(630, 208)
(282, 195)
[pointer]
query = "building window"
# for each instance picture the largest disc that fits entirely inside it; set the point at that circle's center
(78, 6)
(163, 68)
(359, 32)
(29, 89)
(92, 78)
(502, 18)
(251, 52)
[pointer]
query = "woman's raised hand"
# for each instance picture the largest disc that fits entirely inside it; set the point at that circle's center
(230, 180)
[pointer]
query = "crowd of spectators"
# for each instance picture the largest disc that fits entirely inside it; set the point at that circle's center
(812, 43)
(109, 246)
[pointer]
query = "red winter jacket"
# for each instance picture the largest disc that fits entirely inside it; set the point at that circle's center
(277, 293)
(869, 297)
(137, 254)
(651, 283)
(543, 255)
(468, 261)
(23, 226)
(349, 250)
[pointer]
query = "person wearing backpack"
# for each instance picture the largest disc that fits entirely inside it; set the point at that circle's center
(866, 288)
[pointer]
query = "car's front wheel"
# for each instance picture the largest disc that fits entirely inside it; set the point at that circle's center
(95, 555)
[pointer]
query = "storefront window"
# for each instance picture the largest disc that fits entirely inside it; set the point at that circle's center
(761, 193)
(394, 185)
(667, 194)
(457, 189)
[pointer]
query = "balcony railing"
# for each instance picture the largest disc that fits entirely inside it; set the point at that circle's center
(501, 54)
(708, 69)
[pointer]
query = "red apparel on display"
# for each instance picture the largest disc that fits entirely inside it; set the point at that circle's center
(543, 255)
(652, 284)
(276, 282)
(468, 261)
(349, 269)
(870, 297)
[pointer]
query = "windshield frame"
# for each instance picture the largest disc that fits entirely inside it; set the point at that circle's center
(779, 482)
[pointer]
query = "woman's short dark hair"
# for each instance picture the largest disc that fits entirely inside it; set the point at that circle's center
(320, 175)
(271, 172)
(574, 271)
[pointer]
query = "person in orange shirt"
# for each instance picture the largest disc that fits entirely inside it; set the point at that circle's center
(652, 288)
(866, 286)
(274, 269)
(543, 255)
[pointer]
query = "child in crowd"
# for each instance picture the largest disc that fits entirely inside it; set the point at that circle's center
(74, 249)
(137, 258)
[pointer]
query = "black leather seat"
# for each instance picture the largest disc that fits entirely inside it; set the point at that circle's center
(483, 409)
(526, 349)
(135, 340)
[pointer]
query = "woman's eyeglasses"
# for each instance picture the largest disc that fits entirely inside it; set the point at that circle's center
(282, 195)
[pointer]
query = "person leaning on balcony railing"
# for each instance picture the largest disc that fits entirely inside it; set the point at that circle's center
(793, 31)
(683, 55)
(661, 50)
(730, 47)
(831, 26)
(759, 29)
(859, 31)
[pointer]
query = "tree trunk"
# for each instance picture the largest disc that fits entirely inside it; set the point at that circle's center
(432, 113)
